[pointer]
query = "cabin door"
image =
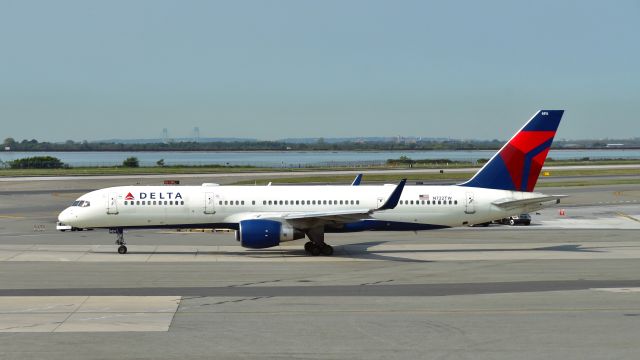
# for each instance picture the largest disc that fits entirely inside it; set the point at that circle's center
(112, 203)
(470, 204)
(208, 203)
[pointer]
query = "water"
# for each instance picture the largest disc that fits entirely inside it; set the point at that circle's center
(293, 158)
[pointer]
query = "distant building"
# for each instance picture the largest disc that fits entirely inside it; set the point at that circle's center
(615, 145)
(7, 148)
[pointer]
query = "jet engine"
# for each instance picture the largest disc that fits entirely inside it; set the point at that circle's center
(262, 233)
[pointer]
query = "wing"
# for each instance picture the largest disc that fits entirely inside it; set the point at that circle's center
(305, 219)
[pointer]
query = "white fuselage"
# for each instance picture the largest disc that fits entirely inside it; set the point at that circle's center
(420, 207)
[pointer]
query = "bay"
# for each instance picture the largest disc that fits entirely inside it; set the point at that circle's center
(293, 159)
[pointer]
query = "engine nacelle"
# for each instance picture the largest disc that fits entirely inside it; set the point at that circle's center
(261, 233)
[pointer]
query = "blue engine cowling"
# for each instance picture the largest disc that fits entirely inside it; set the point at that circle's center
(261, 233)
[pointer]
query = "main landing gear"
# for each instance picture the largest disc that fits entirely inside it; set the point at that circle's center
(314, 249)
(122, 249)
(317, 245)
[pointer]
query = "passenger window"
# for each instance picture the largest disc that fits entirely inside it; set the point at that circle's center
(171, 202)
(455, 202)
(253, 202)
(269, 202)
(125, 203)
(449, 202)
(357, 202)
(324, 202)
(286, 202)
(439, 203)
(351, 202)
(308, 202)
(225, 202)
(165, 202)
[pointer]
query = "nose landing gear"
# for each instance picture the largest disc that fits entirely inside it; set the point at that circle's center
(122, 249)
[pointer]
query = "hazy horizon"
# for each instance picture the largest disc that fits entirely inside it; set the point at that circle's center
(298, 69)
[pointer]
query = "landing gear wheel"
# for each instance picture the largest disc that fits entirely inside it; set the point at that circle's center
(307, 246)
(327, 250)
(122, 249)
(314, 250)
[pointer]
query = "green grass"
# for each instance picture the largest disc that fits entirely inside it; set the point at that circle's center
(447, 177)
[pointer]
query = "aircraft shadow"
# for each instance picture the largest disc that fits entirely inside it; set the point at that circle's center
(362, 252)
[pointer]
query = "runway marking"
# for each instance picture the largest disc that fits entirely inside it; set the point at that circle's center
(627, 216)
(87, 313)
(620, 290)
(12, 217)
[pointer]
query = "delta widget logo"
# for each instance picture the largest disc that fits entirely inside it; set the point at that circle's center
(129, 197)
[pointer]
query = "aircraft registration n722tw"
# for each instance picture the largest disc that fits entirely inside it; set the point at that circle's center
(265, 216)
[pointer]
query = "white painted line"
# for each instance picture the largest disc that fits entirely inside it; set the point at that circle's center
(619, 290)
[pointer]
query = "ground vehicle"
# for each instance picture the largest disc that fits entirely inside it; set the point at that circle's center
(524, 219)
(64, 227)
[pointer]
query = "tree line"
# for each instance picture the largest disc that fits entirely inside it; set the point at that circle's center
(34, 145)
(320, 145)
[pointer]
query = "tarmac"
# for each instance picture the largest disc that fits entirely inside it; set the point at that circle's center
(568, 286)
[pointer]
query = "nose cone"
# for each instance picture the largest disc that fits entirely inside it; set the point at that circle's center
(66, 216)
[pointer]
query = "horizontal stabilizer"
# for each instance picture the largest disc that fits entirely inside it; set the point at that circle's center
(511, 203)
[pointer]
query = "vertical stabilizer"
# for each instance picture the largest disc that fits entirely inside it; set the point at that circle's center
(517, 165)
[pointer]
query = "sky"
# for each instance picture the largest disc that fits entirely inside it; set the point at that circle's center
(345, 68)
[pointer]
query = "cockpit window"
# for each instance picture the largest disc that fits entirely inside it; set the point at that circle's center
(81, 203)
(75, 203)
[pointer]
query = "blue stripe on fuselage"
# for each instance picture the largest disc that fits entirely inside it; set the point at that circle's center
(381, 225)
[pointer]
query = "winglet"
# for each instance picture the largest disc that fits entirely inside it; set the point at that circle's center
(357, 180)
(394, 198)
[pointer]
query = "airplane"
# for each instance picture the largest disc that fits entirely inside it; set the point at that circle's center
(265, 216)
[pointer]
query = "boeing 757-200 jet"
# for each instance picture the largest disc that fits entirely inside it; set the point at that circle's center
(265, 216)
